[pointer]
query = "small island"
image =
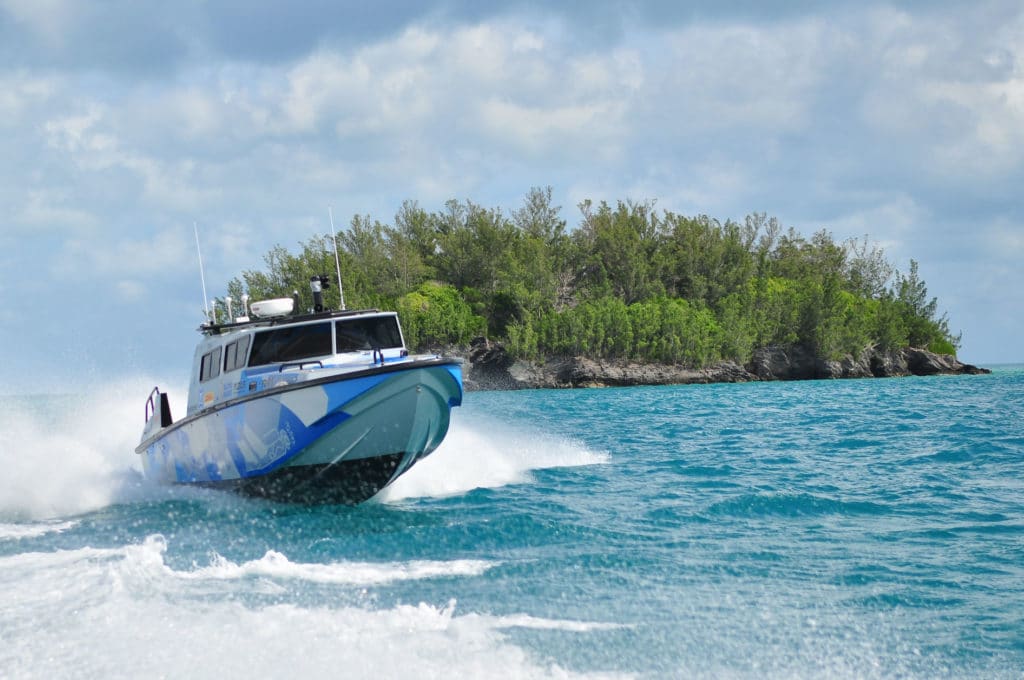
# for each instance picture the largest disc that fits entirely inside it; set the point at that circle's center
(630, 296)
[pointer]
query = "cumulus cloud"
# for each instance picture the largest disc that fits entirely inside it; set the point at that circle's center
(49, 209)
(20, 94)
(48, 20)
(123, 123)
(152, 253)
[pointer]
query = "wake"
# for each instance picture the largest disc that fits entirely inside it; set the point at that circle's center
(67, 455)
(109, 612)
(70, 454)
(486, 455)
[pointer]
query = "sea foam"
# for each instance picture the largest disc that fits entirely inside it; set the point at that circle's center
(145, 617)
(68, 454)
(484, 454)
(15, 531)
(275, 565)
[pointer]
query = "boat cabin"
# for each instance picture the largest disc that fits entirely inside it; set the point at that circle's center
(236, 359)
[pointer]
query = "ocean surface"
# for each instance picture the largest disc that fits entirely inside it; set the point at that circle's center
(841, 529)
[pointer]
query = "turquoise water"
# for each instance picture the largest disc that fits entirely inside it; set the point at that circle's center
(863, 528)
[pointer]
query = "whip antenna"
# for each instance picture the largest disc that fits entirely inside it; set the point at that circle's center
(202, 275)
(337, 262)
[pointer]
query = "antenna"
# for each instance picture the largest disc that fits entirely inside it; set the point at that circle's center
(337, 262)
(202, 275)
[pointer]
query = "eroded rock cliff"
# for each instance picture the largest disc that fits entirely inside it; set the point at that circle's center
(487, 366)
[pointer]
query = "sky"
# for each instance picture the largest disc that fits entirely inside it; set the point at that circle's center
(125, 123)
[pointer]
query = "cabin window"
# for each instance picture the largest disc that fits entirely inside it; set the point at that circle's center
(209, 366)
(290, 343)
(230, 354)
(234, 354)
(378, 332)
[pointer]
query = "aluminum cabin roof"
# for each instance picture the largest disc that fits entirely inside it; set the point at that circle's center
(217, 329)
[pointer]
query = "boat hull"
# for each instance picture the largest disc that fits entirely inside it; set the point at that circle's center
(344, 483)
(340, 438)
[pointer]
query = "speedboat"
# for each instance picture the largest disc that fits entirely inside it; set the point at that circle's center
(317, 407)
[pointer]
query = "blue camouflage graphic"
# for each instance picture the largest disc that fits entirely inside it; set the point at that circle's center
(403, 411)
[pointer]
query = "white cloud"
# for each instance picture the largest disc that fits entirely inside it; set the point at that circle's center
(538, 129)
(90, 142)
(480, 54)
(49, 209)
(955, 99)
(716, 76)
(130, 291)
(527, 41)
(49, 19)
(316, 83)
(619, 73)
(888, 217)
(75, 133)
(866, 120)
(991, 139)
(200, 113)
(156, 255)
(20, 94)
(1005, 241)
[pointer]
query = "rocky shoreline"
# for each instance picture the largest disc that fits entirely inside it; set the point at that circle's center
(487, 366)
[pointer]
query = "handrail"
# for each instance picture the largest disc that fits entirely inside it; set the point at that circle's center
(300, 364)
(151, 404)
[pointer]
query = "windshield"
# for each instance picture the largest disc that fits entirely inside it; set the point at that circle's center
(378, 332)
(291, 343)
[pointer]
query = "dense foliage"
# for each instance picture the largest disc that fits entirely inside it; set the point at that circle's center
(627, 282)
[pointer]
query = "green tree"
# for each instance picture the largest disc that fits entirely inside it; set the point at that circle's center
(435, 315)
(287, 274)
(920, 314)
(628, 282)
(621, 245)
(867, 271)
